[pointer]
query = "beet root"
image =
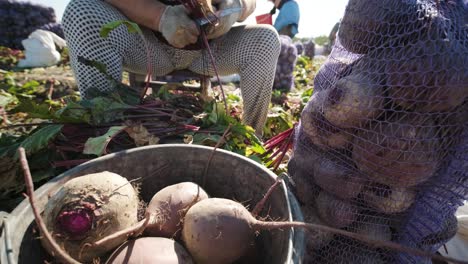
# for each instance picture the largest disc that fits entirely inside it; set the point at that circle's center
(319, 130)
(88, 208)
(315, 239)
(218, 230)
(354, 100)
(429, 76)
(335, 212)
(402, 152)
(337, 178)
(389, 200)
(169, 205)
(301, 168)
(150, 250)
(375, 227)
(369, 25)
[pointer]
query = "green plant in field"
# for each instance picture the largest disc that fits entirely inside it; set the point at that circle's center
(9, 58)
(322, 40)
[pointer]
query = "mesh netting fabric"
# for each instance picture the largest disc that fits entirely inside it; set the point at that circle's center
(21, 18)
(382, 145)
(299, 47)
(284, 77)
(250, 51)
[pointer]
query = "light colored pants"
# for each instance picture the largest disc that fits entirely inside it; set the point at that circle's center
(250, 51)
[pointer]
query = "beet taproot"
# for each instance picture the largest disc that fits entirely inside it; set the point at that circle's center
(315, 239)
(402, 151)
(374, 227)
(337, 177)
(168, 207)
(301, 169)
(429, 76)
(369, 25)
(88, 208)
(335, 212)
(218, 230)
(150, 250)
(388, 200)
(318, 129)
(354, 100)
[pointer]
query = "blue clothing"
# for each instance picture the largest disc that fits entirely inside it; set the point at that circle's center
(288, 15)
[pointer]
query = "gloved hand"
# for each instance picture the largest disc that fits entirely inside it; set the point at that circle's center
(225, 23)
(177, 28)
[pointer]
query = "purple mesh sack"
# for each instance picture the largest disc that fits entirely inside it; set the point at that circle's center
(299, 47)
(382, 145)
(21, 18)
(284, 79)
(309, 49)
(54, 27)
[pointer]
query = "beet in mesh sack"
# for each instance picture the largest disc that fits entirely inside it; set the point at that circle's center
(284, 75)
(18, 19)
(382, 145)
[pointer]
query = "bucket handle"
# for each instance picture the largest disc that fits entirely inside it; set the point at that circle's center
(4, 228)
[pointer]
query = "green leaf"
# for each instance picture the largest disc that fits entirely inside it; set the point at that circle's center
(8, 145)
(127, 94)
(8, 139)
(257, 149)
(40, 165)
(37, 141)
(131, 27)
(6, 98)
(307, 93)
(31, 86)
(213, 117)
(98, 145)
(34, 109)
(164, 94)
(233, 98)
(74, 112)
(106, 110)
(206, 139)
(8, 81)
(255, 158)
(119, 91)
(95, 111)
(101, 67)
(40, 139)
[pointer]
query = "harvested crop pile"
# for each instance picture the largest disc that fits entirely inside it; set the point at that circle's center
(299, 47)
(309, 49)
(54, 27)
(91, 223)
(284, 78)
(383, 139)
(19, 19)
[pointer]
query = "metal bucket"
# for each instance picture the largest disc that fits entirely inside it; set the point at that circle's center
(229, 175)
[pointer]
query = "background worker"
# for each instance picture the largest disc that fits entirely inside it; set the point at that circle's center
(287, 21)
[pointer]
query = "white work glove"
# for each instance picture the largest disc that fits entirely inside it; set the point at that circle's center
(177, 28)
(225, 23)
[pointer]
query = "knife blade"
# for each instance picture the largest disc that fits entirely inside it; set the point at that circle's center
(211, 18)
